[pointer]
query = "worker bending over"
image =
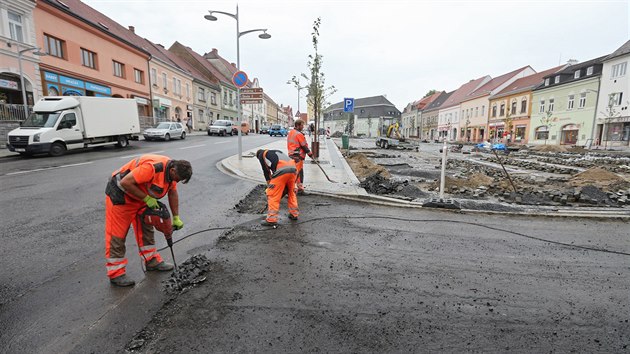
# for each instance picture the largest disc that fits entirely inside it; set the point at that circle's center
(298, 149)
(280, 174)
(132, 188)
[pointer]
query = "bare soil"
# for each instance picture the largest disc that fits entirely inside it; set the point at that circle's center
(550, 148)
(364, 167)
(595, 176)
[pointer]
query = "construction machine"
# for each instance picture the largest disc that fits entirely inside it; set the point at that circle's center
(388, 134)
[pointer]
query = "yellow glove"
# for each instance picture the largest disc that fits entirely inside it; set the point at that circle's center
(177, 223)
(151, 202)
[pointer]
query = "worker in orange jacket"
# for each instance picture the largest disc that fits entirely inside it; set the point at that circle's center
(298, 149)
(132, 188)
(280, 174)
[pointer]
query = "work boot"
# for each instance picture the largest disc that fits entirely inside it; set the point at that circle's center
(154, 265)
(122, 280)
(268, 223)
(302, 192)
(293, 217)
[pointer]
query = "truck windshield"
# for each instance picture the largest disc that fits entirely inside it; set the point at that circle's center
(41, 120)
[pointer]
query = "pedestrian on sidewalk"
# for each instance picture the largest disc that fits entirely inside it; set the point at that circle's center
(189, 125)
(280, 173)
(132, 188)
(297, 146)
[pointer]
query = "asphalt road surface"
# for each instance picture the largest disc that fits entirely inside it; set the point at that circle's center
(54, 291)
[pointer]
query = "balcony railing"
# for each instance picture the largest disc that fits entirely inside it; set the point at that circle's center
(13, 112)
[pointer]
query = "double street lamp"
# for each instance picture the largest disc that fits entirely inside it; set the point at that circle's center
(263, 35)
(19, 53)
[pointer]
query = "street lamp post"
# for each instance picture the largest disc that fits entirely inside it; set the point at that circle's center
(20, 52)
(264, 35)
(295, 81)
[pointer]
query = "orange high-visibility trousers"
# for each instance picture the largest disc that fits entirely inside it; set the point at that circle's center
(118, 218)
(300, 175)
(274, 194)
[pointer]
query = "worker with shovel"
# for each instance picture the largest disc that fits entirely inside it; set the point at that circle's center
(131, 189)
(280, 174)
(298, 149)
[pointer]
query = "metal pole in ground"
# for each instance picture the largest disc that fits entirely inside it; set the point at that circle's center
(443, 174)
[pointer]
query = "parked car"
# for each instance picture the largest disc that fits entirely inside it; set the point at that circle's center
(264, 129)
(165, 131)
(277, 129)
(245, 128)
(222, 127)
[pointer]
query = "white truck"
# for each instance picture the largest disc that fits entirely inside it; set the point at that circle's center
(64, 123)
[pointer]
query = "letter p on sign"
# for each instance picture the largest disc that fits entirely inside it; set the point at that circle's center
(348, 104)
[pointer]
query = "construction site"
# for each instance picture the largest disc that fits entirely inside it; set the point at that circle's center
(548, 175)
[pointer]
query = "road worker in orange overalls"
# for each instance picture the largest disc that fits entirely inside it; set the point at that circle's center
(298, 149)
(131, 189)
(280, 174)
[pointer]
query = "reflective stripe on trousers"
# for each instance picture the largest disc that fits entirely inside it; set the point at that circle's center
(274, 194)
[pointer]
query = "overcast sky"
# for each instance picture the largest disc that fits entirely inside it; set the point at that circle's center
(397, 48)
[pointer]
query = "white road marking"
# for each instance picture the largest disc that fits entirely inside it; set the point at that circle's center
(222, 142)
(191, 147)
(48, 168)
(134, 155)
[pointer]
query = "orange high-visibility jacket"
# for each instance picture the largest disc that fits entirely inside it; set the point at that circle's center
(150, 173)
(297, 145)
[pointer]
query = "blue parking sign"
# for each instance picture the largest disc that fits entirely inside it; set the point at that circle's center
(348, 104)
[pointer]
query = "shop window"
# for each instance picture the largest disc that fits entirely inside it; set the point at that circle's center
(54, 46)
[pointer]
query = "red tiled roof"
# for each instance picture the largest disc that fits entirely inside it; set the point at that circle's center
(206, 64)
(427, 100)
(96, 19)
(528, 82)
(460, 94)
(494, 83)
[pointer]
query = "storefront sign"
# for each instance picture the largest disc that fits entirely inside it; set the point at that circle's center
(50, 76)
(9, 84)
(98, 88)
(64, 80)
(72, 86)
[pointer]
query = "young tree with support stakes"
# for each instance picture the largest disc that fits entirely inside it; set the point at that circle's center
(317, 92)
(549, 122)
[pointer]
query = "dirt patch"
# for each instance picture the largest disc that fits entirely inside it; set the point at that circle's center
(378, 184)
(550, 148)
(254, 201)
(363, 167)
(595, 176)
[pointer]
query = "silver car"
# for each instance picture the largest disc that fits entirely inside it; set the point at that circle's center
(165, 131)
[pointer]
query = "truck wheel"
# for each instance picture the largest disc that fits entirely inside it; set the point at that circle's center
(385, 145)
(378, 143)
(167, 137)
(57, 149)
(122, 142)
(183, 135)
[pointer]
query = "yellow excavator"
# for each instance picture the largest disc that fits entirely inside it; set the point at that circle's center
(389, 134)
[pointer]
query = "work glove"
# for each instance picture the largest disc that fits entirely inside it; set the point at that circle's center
(151, 202)
(178, 224)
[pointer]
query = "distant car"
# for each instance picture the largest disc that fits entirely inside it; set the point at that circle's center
(277, 129)
(264, 129)
(222, 127)
(165, 131)
(245, 128)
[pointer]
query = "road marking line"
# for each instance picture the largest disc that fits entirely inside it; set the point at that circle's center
(191, 147)
(221, 142)
(48, 168)
(134, 155)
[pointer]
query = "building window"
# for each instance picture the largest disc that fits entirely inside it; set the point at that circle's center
(542, 133)
(618, 70)
(187, 91)
(570, 102)
(483, 110)
(138, 76)
(15, 26)
(201, 94)
(231, 99)
(164, 81)
(513, 110)
(476, 111)
(119, 69)
(225, 98)
(177, 86)
(547, 82)
(502, 110)
(582, 102)
(494, 111)
(523, 106)
(556, 79)
(153, 76)
(542, 106)
(551, 104)
(54, 46)
(589, 71)
(615, 98)
(213, 98)
(576, 75)
(88, 58)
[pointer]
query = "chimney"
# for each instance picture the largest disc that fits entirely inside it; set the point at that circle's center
(572, 61)
(234, 65)
(215, 51)
(132, 29)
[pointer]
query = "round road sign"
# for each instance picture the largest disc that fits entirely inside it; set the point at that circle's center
(239, 79)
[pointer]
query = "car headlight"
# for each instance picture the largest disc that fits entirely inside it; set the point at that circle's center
(36, 137)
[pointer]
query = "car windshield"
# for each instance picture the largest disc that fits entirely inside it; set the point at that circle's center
(163, 126)
(41, 120)
(276, 127)
(223, 122)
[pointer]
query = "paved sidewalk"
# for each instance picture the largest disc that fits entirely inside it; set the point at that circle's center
(330, 159)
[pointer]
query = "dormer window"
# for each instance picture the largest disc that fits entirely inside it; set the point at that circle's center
(556, 79)
(576, 75)
(589, 71)
(547, 82)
